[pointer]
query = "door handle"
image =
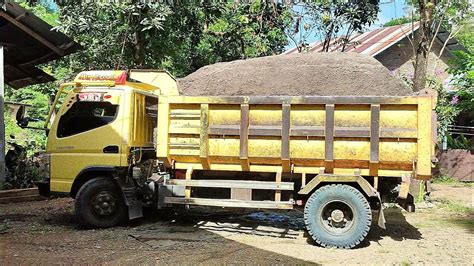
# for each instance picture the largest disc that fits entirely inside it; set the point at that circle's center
(111, 149)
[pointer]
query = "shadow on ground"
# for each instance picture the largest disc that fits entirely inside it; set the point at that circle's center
(283, 224)
(397, 228)
(161, 237)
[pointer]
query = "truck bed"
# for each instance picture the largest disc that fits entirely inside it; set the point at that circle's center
(377, 136)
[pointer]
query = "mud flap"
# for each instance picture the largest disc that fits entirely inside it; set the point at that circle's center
(135, 210)
(135, 206)
(381, 218)
(405, 198)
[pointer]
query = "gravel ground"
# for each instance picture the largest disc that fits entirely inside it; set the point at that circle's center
(45, 232)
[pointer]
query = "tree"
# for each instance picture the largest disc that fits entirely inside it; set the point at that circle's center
(450, 15)
(329, 18)
(179, 36)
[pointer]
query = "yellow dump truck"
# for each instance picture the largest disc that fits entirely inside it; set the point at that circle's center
(125, 140)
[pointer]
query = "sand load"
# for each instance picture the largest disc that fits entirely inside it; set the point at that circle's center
(296, 74)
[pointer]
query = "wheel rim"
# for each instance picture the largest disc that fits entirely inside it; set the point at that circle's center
(104, 204)
(337, 217)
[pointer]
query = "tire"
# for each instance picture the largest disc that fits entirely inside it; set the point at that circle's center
(89, 204)
(326, 225)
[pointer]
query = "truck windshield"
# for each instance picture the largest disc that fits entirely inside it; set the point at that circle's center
(84, 116)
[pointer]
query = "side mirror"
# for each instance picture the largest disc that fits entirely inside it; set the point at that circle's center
(21, 120)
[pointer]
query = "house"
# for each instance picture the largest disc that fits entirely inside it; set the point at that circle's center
(392, 46)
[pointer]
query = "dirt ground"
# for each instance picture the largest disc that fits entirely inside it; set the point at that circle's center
(45, 232)
(326, 74)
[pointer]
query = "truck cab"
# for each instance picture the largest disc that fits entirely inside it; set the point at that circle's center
(101, 119)
(104, 116)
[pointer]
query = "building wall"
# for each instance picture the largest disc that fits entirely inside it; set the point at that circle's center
(398, 58)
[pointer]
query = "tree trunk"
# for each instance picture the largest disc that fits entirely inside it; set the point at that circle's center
(139, 49)
(422, 43)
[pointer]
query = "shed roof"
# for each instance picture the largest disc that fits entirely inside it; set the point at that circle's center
(376, 41)
(29, 41)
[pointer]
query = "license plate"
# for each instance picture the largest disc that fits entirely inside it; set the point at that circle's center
(90, 97)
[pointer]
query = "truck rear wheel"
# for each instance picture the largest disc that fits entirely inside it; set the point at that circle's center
(337, 216)
(99, 204)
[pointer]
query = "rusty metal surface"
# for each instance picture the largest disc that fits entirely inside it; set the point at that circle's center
(378, 40)
(29, 41)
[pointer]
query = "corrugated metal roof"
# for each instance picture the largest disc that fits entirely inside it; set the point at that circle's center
(29, 41)
(370, 43)
(376, 41)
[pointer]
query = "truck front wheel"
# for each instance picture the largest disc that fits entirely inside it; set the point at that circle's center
(99, 204)
(337, 216)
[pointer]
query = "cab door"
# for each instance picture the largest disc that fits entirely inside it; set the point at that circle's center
(86, 133)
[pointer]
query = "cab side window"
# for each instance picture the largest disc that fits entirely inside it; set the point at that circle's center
(84, 116)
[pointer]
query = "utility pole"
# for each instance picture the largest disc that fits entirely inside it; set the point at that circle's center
(2, 120)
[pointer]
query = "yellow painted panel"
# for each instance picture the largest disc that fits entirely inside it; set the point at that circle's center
(142, 124)
(352, 116)
(163, 127)
(193, 152)
(177, 123)
(224, 147)
(184, 140)
(179, 129)
(307, 149)
(224, 114)
(423, 166)
(265, 115)
(307, 115)
(394, 116)
(264, 148)
(65, 167)
(397, 151)
(351, 149)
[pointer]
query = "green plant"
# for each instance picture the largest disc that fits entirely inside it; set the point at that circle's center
(444, 179)
(4, 227)
(28, 169)
(454, 206)
(446, 108)
(459, 142)
(399, 21)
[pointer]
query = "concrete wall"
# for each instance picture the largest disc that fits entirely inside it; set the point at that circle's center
(398, 57)
(458, 164)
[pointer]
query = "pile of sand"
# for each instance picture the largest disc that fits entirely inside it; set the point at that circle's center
(295, 74)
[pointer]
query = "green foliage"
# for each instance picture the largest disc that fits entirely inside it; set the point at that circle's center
(459, 142)
(33, 96)
(330, 17)
(180, 36)
(462, 69)
(445, 109)
(28, 169)
(453, 14)
(399, 21)
(177, 36)
(444, 179)
(5, 226)
(466, 37)
(454, 206)
(42, 11)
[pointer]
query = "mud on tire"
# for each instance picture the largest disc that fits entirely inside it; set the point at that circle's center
(99, 204)
(337, 216)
